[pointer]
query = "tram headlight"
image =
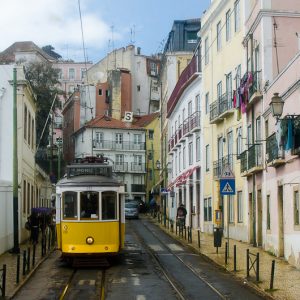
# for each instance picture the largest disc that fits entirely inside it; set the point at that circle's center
(89, 240)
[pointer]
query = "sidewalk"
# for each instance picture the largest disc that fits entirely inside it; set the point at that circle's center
(11, 267)
(286, 284)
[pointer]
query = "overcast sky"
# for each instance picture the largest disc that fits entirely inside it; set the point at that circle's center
(107, 24)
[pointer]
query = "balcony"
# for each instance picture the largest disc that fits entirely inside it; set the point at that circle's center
(252, 160)
(138, 168)
(221, 108)
(120, 167)
(138, 188)
(189, 125)
(255, 89)
(220, 164)
(275, 155)
(113, 145)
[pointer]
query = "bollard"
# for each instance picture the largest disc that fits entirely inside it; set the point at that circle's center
(18, 269)
(188, 233)
(199, 239)
(247, 258)
(33, 255)
(226, 252)
(184, 232)
(24, 262)
(257, 266)
(272, 274)
(176, 225)
(191, 238)
(3, 281)
(28, 259)
(234, 258)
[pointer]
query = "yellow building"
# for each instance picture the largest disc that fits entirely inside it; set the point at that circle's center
(223, 57)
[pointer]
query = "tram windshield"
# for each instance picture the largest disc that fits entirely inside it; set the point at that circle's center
(109, 205)
(89, 205)
(70, 205)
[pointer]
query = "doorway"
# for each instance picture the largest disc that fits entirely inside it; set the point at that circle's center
(259, 219)
(280, 222)
(250, 214)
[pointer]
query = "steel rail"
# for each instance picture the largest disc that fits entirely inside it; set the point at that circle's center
(64, 292)
(189, 267)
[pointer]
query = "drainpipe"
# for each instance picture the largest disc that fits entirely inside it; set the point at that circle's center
(253, 175)
(16, 248)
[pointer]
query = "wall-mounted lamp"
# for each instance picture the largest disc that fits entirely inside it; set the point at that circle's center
(158, 165)
(276, 106)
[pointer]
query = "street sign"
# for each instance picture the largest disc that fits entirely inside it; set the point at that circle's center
(227, 186)
(227, 173)
(164, 191)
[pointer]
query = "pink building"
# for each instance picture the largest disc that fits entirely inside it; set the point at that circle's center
(271, 163)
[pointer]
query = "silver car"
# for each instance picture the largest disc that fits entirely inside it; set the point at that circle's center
(131, 210)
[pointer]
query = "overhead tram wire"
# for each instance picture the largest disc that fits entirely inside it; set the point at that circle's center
(85, 58)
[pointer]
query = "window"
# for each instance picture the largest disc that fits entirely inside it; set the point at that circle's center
(240, 206)
(29, 129)
(249, 135)
(230, 148)
(71, 73)
(183, 114)
(237, 15)
(239, 145)
(219, 90)
(228, 25)
(150, 175)
(183, 158)
(32, 133)
(69, 200)
(60, 74)
(119, 159)
(207, 158)
(258, 129)
(191, 37)
(24, 196)
(100, 92)
(231, 209)
(207, 103)
(119, 140)
(25, 122)
(198, 148)
(109, 206)
(296, 208)
(138, 88)
(99, 139)
(190, 108)
(198, 104)
(266, 128)
(179, 161)
(268, 213)
(82, 73)
(137, 160)
(219, 37)
(207, 209)
(190, 153)
(153, 68)
(150, 134)
(238, 76)
(89, 205)
(28, 198)
(206, 51)
(229, 89)
(137, 141)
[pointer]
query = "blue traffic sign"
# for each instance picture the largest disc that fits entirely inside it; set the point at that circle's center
(227, 186)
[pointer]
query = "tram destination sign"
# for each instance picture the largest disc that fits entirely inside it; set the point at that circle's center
(81, 170)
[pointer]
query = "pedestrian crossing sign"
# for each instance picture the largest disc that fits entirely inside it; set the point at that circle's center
(227, 186)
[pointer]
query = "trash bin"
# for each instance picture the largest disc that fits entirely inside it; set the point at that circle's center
(218, 232)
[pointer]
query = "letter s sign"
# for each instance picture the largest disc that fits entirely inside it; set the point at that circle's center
(128, 116)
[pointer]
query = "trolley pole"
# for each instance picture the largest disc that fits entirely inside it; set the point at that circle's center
(16, 248)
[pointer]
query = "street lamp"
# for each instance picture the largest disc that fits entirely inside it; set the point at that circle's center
(277, 106)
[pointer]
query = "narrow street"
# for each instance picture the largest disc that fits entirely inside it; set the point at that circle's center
(153, 266)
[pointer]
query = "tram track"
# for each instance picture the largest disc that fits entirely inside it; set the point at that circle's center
(77, 280)
(167, 274)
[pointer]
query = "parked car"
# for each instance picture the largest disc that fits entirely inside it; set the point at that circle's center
(131, 210)
(141, 204)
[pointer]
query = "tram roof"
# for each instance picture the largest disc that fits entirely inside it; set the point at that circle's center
(88, 180)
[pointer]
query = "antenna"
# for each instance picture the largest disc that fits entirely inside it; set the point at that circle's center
(132, 35)
(113, 45)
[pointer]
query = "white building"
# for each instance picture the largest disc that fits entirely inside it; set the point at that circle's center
(123, 144)
(32, 188)
(184, 112)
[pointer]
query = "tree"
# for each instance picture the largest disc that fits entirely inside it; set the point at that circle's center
(50, 51)
(44, 82)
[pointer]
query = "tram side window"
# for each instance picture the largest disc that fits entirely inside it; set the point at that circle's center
(109, 205)
(89, 205)
(70, 205)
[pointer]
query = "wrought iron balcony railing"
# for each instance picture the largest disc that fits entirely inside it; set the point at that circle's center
(252, 159)
(121, 167)
(220, 107)
(139, 168)
(273, 152)
(220, 164)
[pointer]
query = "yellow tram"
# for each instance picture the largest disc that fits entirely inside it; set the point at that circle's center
(90, 216)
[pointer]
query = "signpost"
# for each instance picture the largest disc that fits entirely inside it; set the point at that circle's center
(227, 187)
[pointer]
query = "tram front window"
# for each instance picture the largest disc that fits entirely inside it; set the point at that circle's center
(89, 205)
(70, 205)
(109, 205)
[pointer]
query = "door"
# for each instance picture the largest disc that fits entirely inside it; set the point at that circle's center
(280, 221)
(250, 218)
(259, 218)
